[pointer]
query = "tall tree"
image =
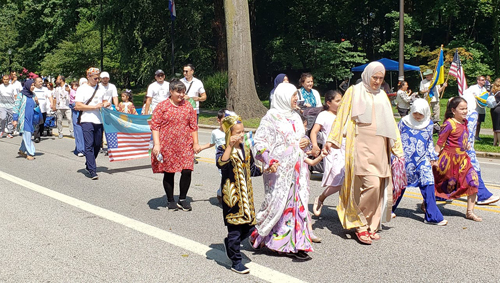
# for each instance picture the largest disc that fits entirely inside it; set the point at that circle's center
(242, 95)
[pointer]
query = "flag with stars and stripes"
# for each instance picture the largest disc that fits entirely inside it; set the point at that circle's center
(457, 71)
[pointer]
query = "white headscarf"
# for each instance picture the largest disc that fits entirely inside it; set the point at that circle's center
(282, 101)
(82, 81)
(362, 103)
(419, 106)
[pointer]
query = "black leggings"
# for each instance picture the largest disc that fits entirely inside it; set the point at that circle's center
(168, 184)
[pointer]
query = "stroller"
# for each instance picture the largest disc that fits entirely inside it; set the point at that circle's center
(50, 123)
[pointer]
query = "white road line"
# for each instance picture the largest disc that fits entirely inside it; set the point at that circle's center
(257, 270)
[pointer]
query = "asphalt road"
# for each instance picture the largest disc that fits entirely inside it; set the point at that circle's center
(57, 225)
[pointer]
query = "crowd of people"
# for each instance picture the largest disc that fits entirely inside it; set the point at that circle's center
(366, 154)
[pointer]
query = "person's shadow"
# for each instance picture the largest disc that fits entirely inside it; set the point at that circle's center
(99, 169)
(156, 203)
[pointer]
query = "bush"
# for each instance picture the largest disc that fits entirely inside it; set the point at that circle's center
(216, 88)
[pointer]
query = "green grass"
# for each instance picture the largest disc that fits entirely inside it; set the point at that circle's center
(485, 144)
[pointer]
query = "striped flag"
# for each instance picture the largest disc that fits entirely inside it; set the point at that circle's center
(128, 136)
(457, 71)
(171, 7)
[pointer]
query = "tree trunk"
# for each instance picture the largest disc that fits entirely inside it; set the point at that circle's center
(242, 96)
(496, 34)
(219, 32)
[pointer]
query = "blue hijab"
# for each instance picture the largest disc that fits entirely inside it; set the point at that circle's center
(27, 89)
(279, 79)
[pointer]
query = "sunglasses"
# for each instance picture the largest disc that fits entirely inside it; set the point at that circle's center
(185, 71)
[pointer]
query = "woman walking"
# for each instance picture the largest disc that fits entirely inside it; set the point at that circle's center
(175, 141)
(24, 109)
(366, 121)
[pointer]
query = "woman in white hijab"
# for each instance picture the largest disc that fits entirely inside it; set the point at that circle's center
(416, 135)
(366, 120)
(282, 218)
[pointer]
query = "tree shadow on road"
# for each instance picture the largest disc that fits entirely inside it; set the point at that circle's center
(128, 169)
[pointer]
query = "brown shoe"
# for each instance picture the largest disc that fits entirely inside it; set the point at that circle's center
(29, 157)
(22, 154)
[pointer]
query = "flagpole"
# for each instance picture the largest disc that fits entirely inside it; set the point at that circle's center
(173, 57)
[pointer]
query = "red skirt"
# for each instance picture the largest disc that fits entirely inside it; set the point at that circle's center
(454, 175)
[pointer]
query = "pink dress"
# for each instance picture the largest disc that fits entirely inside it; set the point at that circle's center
(175, 124)
(334, 163)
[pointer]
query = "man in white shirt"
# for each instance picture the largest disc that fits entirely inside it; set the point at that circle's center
(89, 100)
(16, 85)
(194, 88)
(61, 105)
(157, 92)
(476, 90)
(7, 98)
(424, 89)
(44, 101)
(110, 91)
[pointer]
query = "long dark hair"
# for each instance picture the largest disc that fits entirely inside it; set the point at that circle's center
(453, 104)
(329, 96)
(401, 84)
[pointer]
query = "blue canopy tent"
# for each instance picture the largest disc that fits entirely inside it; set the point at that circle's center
(390, 65)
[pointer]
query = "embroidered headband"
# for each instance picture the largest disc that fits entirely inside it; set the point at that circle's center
(93, 71)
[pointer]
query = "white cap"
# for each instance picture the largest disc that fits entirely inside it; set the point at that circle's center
(82, 81)
(104, 75)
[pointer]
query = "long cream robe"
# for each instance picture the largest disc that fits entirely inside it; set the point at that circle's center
(344, 126)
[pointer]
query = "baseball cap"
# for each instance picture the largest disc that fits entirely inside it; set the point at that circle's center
(159, 72)
(104, 75)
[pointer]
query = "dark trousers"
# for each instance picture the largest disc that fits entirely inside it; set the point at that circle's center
(236, 234)
(92, 138)
(41, 127)
(403, 112)
(482, 191)
(185, 182)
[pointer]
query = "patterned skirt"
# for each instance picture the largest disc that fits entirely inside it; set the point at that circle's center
(290, 234)
(454, 176)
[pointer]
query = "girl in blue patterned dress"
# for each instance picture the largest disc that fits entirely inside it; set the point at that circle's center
(416, 136)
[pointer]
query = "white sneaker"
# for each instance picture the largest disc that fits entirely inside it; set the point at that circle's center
(80, 154)
(491, 200)
(442, 223)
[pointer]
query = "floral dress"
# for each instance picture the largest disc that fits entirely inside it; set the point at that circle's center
(454, 176)
(127, 107)
(282, 218)
(175, 124)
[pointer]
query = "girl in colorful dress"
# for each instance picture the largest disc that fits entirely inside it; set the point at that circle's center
(334, 163)
(126, 106)
(416, 136)
(175, 141)
(283, 216)
(454, 175)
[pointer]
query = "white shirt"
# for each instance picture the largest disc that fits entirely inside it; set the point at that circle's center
(195, 91)
(425, 84)
(7, 96)
(403, 99)
(476, 90)
(17, 86)
(62, 97)
(109, 92)
(43, 98)
(218, 138)
(83, 94)
(159, 93)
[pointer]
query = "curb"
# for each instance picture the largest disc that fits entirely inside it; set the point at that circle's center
(488, 154)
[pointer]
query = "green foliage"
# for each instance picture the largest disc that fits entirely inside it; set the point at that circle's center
(411, 28)
(216, 88)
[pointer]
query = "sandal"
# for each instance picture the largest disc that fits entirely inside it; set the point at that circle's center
(472, 216)
(318, 205)
(374, 236)
(22, 154)
(364, 237)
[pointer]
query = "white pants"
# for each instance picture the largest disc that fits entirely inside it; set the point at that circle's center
(64, 113)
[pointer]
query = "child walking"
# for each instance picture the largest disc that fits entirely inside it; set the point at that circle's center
(217, 138)
(334, 163)
(126, 106)
(236, 162)
(454, 174)
(416, 135)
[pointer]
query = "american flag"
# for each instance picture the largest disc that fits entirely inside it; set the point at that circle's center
(125, 146)
(457, 71)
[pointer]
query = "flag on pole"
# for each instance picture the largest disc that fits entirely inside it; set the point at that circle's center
(128, 136)
(438, 77)
(171, 7)
(457, 71)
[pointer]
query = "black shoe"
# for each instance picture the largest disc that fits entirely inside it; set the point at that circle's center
(226, 244)
(172, 206)
(184, 205)
(95, 177)
(300, 255)
(240, 268)
(37, 140)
